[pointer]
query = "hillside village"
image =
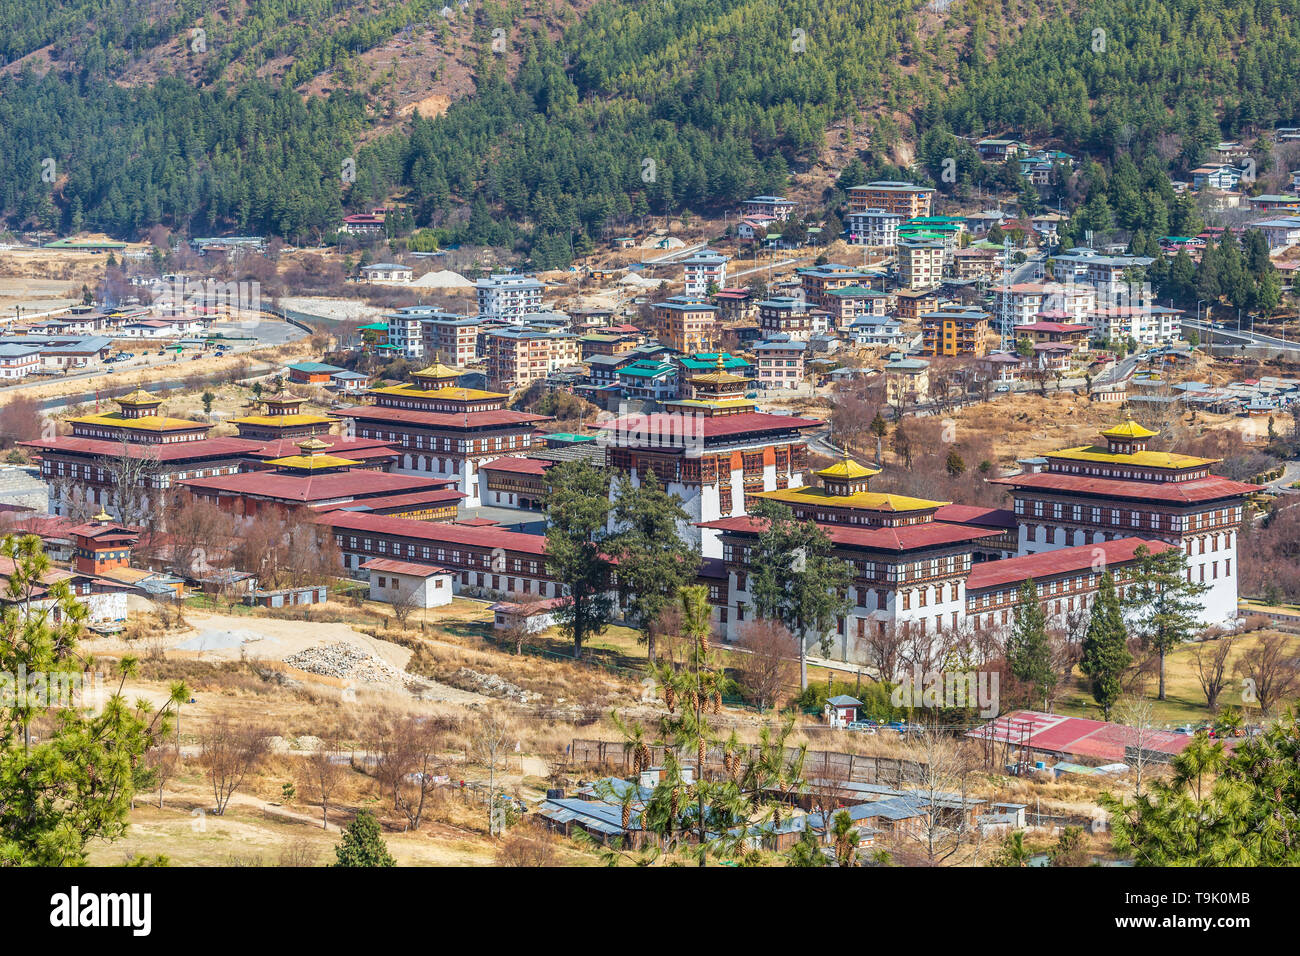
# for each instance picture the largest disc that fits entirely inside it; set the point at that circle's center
(938, 508)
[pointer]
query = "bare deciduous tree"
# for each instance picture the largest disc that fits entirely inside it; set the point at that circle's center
(943, 834)
(771, 664)
(1134, 711)
(489, 743)
(229, 751)
(322, 774)
(1211, 660)
(164, 761)
(134, 474)
(1273, 671)
(527, 846)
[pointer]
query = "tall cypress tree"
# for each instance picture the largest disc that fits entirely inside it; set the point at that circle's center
(1105, 648)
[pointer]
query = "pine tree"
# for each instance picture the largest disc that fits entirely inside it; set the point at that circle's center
(1029, 655)
(1105, 646)
(1164, 601)
(362, 844)
(654, 560)
(577, 534)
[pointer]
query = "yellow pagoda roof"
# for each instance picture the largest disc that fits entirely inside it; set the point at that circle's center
(438, 370)
(312, 462)
(447, 393)
(138, 397)
(287, 420)
(1130, 429)
(1146, 459)
(862, 501)
(150, 423)
(848, 468)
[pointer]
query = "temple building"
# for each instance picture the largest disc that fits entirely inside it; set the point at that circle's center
(442, 430)
(910, 569)
(1121, 489)
(123, 462)
(318, 479)
(923, 570)
(713, 461)
(714, 392)
(282, 418)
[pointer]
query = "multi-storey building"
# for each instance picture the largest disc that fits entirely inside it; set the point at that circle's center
(852, 302)
(768, 207)
(920, 263)
(874, 228)
(484, 560)
(1092, 494)
(282, 417)
(443, 431)
(819, 282)
(713, 458)
(1146, 324)
(685, 323)
(780, 362)
(508, 296)
(906, 199)
(125, 462)
(704, 271)
(955, 332)
(786, 315)
(517, 357)
(1105, 273)
(451, 339)
(734, 305)
(909, 569)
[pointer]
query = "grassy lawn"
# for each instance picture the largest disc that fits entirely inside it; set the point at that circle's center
(1185, 703)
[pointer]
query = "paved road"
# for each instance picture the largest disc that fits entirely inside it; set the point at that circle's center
(1234, 336)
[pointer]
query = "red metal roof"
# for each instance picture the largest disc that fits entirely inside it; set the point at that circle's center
(306, 487)
(434, 496)
(926, 535)
(518, 466)
(435, 532)
(404, 567)
(712, 426)
(1179, 492)
(470, 420)
(358, 449)
(1062, 561)
(163, 451)
(976, 515)
(1077, 736)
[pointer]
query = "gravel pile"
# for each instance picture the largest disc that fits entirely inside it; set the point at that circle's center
(492, 685)
(346, 661)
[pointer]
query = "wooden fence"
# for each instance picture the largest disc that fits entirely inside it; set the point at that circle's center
(825, 764)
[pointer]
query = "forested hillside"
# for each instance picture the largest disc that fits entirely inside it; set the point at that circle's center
(663, 106)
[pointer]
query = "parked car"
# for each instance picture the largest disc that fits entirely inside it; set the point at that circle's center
(862, 726)
(1002, 388)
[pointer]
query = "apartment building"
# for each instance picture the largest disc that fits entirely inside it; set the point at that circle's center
(920, 263)
(517, 357)
(508, 296)
(955, 332)
(786, 315)
(405, 330)
(451, 339)
(874, 228)
(906, 199)
(685, 323)
(705, 270)
(780, 362)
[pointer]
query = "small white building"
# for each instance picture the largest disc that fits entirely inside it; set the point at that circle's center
(423, 585)
(387, 272)
(535, 616)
